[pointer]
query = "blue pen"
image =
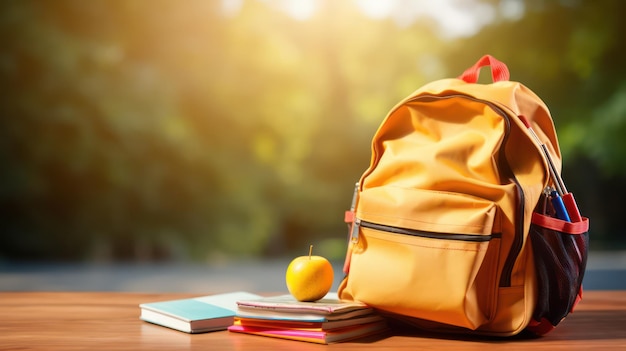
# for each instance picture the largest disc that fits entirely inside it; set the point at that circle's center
(562, 201)
(559, 206)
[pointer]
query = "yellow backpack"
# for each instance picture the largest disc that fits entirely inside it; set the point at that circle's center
(447, 221)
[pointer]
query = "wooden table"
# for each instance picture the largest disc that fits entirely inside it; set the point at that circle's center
(110, 321)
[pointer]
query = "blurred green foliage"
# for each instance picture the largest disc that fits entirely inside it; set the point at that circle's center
(147, 130)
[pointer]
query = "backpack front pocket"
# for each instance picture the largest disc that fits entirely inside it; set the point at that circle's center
(426, 258)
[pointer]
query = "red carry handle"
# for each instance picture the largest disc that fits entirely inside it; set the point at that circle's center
(499, 71)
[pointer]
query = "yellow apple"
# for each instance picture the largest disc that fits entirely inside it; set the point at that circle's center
(309, 278)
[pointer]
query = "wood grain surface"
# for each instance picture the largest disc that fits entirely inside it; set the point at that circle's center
(110, 321)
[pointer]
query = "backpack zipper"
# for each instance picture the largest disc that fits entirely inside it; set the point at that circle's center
(425, 234)
(518, 239)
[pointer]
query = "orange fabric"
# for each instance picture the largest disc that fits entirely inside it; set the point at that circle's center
(453, 158)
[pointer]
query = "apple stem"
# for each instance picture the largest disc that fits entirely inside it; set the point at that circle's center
(310, 251)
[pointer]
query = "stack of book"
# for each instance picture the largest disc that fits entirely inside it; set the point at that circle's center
(195, 315)
(325, 321)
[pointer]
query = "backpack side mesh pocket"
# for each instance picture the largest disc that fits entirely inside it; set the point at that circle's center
(560, 255)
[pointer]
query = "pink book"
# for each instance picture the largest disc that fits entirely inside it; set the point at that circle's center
(313, 335)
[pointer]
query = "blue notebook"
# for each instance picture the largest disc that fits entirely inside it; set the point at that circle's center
(195, 315)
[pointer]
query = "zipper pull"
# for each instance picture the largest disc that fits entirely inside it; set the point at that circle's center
(353, 224)
(354, 234)
(354, 238)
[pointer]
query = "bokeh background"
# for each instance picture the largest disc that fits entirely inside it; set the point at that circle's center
(200, 131)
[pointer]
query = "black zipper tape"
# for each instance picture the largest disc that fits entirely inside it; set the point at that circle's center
(427, 234)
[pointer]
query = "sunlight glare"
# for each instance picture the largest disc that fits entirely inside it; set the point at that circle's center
(230, 8)
(512, 9)
(300, 9)
(454, 18)
(375, 8)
